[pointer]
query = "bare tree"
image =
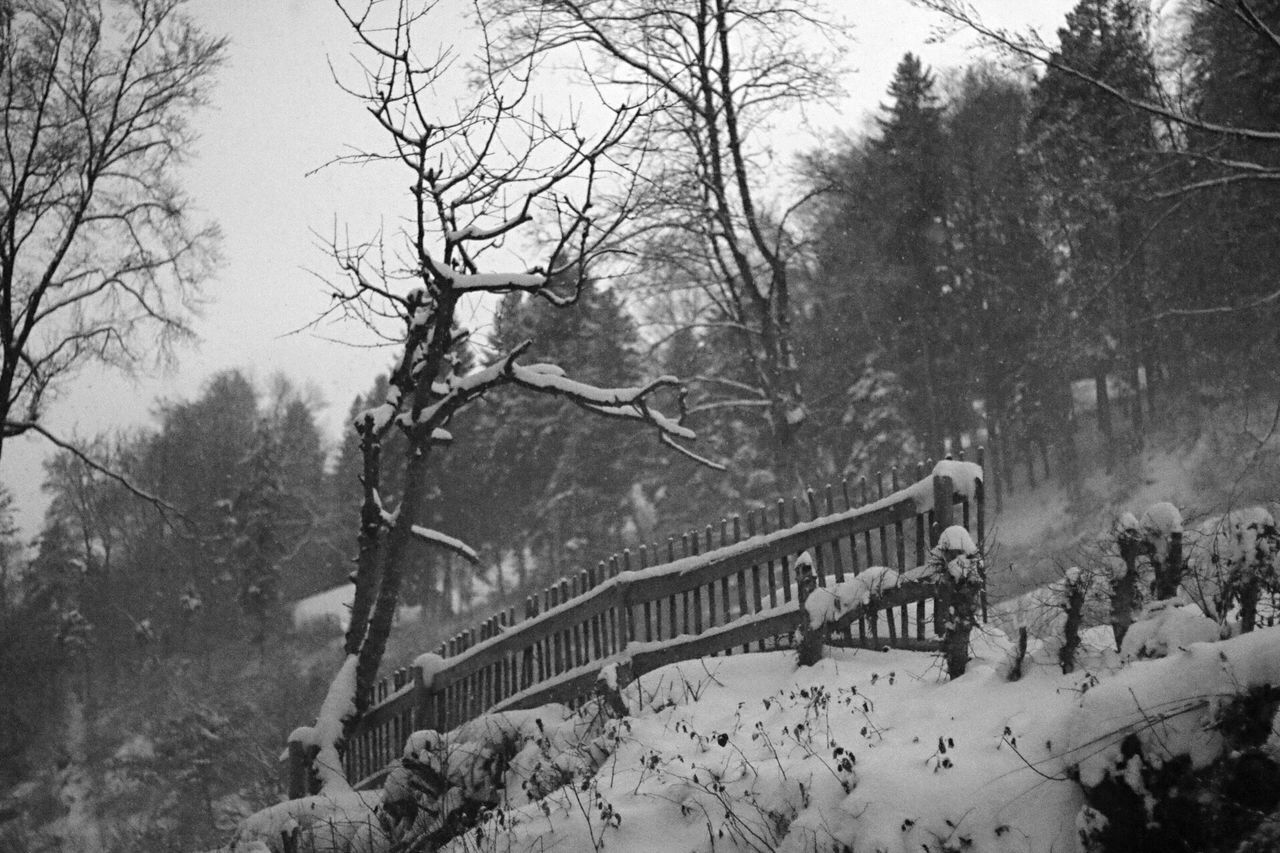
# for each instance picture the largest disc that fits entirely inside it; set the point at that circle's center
(476, 179)
(711, 232)
(99, 258)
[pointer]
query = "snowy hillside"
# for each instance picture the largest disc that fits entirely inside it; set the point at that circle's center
(864, 751)
(1203, 468)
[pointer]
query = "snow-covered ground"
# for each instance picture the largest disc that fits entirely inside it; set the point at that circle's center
(867, 751)
(1040, 531)
(333, 607)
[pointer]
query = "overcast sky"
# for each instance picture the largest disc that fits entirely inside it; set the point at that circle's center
(277, 116)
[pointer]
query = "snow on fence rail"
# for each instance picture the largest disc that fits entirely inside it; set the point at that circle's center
(725, 592)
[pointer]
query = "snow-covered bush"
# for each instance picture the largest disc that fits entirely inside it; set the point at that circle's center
(1161, 528)
(444, 783)
(1126, 592)
(1166, 626)
(828, 604)
(1073, 588)
(955, 567)
(1233, 558)
(1177, 754)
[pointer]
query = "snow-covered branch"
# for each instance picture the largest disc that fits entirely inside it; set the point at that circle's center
(457, 546)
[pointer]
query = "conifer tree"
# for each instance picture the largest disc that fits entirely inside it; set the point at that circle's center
(1095, 158)
(908, 197)
(1008, 310)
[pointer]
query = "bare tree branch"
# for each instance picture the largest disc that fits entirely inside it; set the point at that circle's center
(163, 507)
(96, 244)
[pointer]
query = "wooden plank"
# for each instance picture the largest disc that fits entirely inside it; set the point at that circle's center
(726, 607)
(756, 598)
(648, 605)
(568, 692)
(626, 612)
(378, 714)
(672, 630)
(837, 560)
(569, 625)
(697, 596)
(772, 578)
(920, 524)
(900, 554)
(910, 644)
(597, 645)
(785, 559)
(613, 616)
(696, 647)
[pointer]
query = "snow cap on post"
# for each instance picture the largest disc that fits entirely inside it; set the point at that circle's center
(1127, 523)
(430, 664)
(956, 538)
(965, 476)
(1159, 523)
(957, 553)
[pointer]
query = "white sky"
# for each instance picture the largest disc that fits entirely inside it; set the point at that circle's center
(277, 115)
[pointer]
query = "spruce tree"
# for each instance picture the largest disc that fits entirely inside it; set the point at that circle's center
(908, 197)
(1096, 161)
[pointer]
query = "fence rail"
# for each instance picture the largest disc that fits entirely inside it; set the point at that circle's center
(726, 593)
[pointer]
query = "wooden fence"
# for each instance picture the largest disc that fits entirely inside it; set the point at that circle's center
(729, 588)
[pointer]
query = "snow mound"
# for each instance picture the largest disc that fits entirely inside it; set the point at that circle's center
(1128, 523)
(956, 538)
(965, 476)
(1166, 626)
(346, 822)
(339, 704)
(1159, 523)
(956, 554)
(430, 664)
(828, 604)
(1170, 705)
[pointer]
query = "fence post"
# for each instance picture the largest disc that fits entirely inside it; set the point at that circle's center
(297, 771)
(424, 704)
(943, 512)
(943, 492)
(980, 512)
(809, 651)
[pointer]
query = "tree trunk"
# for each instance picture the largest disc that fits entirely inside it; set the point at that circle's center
(1168, 569)
(395, 551)
(446, 588)
(522, 566)
(1104, 417)
(1139, 423)
(993, 439)
(1124, 589)
(369, 540)
(933, 440)
(1250, 592)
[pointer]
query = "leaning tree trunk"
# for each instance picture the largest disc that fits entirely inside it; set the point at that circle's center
(395, 553)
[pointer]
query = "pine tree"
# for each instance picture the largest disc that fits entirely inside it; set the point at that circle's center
(1221, 245)
(907, 196)
(1008, 307)
(1095, 156)
(560, 481)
